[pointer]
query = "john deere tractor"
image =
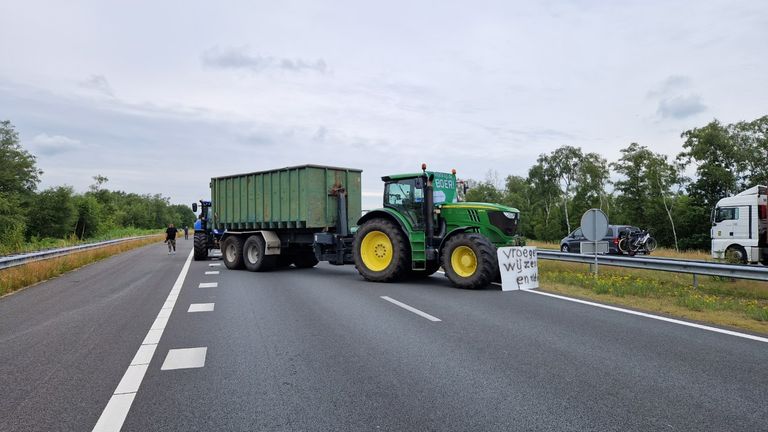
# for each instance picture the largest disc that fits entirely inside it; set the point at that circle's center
(421, 228)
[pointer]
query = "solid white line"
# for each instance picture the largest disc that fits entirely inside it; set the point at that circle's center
(114, 414)
(656, 317)
(212, 272)
(132, 379)
(144, 354)
(647, 315)
(208, 285)
(411, 308)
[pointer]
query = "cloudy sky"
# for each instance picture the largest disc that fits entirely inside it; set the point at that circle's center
(159, 96)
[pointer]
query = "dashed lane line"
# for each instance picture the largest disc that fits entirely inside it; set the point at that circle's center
(411, 309)
(208, 285)
(212, 272)
(114, 414)
(201, 307)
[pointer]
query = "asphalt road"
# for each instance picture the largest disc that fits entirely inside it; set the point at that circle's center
(320, 349)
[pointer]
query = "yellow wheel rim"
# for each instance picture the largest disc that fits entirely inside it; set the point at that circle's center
(376, 251)
(464, 261)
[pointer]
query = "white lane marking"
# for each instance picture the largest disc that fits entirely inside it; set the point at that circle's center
(144, 355)
(185, 358)
(647, 315)
(212, 272)
(208, 285)
(114, 414)
(153, 337)
(165, 312)
(411, 308)
(200, 307)
(656, 317)
(160, 322)
(214, 265)
(132, 379)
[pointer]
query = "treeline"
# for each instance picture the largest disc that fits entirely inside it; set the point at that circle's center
(28, 215)
(642, 188)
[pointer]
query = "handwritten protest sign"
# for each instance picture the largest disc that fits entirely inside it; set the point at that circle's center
(519, 268)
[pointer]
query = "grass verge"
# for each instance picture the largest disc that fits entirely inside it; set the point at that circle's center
(36, 244)
(16, 278)
(697, 255)
(734, 303)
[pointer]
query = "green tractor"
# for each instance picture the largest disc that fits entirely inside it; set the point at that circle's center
(421, 228)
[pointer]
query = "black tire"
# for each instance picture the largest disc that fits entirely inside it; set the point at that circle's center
(305, 259)
(200, 246)
(232, 252)
(565, 248)
(736, 254)
(254, 257)
(401, 258)
(432, 267)
(485, 254)
(650, 245)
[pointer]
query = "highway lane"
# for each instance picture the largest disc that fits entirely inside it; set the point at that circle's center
(319, 349)
(65, 343)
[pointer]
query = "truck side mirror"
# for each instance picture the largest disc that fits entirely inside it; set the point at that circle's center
(194, 207)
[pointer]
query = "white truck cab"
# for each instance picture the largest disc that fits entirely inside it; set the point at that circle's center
(740, 227)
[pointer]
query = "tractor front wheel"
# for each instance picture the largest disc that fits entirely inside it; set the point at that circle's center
(200, 242)
(232, 252)
(470, 261)
(381, 251)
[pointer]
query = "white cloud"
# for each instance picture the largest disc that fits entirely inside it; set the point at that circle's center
(54, 144)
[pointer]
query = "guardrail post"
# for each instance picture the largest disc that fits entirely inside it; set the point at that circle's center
(696, 281)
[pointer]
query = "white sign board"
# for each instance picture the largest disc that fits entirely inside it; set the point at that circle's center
(519, 268)
(589, 247)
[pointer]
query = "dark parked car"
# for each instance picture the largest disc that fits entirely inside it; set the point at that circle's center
(571, 243)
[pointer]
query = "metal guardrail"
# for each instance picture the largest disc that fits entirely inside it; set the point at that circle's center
(20, 259)
(737, 271)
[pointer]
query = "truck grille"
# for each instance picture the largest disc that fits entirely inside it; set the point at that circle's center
(506, 225)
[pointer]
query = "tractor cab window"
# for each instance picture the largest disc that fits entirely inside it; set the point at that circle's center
(407, 197)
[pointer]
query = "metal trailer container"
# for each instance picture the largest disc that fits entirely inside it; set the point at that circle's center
(295, 215)
(286, 198)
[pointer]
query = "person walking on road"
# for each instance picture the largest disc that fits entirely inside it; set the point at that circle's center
(170, 238)
(186, 232)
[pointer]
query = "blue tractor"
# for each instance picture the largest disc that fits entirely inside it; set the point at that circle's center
(206, 238)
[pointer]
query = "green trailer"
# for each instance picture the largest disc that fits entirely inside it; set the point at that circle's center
(305, 214)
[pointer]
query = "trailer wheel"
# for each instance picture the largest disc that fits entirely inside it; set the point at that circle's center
(470, 261)
(232, 252)
(305, 259)
(381, 251)
(736, 254)
(254, 256)
(200, 242)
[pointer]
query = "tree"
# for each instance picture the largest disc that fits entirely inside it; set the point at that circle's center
(53, 213)
(19, 177)
(566, 161)
(89, 216)
(751, 139)
(717, 162)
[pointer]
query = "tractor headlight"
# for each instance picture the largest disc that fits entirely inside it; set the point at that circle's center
(510, 215)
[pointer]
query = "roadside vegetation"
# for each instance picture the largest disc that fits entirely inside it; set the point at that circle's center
(32, 219)
(15, 278)
(722, 301)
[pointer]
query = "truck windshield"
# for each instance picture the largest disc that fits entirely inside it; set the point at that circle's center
(726, 213)
(406, 197)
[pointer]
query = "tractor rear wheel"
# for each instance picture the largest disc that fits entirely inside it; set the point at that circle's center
(232, 252)
(254, 256)
(381, 251)
(470, 261)
(200, 242)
